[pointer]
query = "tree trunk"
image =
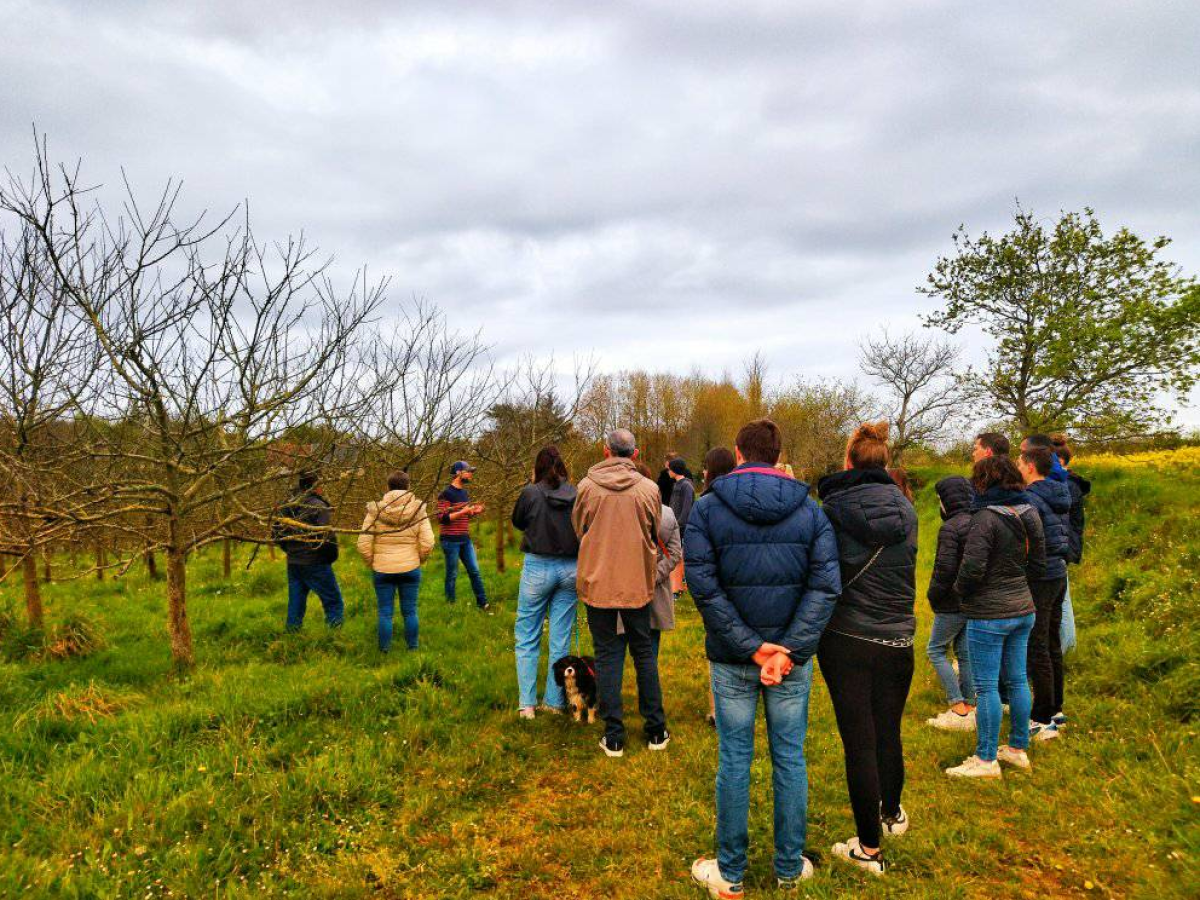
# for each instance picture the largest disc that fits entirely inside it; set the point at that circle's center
(33, 593)
(181, 630)
(499, 540)
(271, 551)
(227, 558)
(47, 574)
(101, 561)
(151, 565)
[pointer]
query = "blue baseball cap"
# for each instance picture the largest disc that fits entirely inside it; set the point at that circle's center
(461, 466)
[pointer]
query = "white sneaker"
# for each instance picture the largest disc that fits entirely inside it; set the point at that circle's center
(852, 852)
(525, 712)
(660, 740)
(974, 767)
(1013, 757)
(614, 752)
(1040, 732)
(952, 721)
(707, 874)
(894, 826)
(792, 884)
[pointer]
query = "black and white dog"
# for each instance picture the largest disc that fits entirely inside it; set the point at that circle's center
(576, 675)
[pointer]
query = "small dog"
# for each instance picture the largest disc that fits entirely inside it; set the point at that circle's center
(577, 676)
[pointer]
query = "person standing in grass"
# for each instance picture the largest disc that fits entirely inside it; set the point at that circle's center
(455, 512)
(396, 540)
(616, 517)
(866, 653)
(670, 555)
(955, 496)
(763, 564)
(1052, 499)
(1004, 550)
(543, 512)
(312, 549)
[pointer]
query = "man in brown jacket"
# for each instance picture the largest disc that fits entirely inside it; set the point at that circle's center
(616, 516)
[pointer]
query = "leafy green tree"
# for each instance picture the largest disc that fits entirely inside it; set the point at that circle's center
(1092, 331)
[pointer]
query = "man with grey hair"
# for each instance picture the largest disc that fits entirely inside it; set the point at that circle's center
(616, 516)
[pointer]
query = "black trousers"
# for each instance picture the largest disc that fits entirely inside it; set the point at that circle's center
(1044, 661)
(869, 684)
(609, 648)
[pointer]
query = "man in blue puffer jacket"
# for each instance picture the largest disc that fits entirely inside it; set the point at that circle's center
(1052, 499)
(762, 564)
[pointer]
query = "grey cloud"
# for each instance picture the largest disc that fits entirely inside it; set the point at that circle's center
(571, 163)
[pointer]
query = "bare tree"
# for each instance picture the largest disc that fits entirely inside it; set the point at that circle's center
(48, 371)
(922, 389)
(217, 345)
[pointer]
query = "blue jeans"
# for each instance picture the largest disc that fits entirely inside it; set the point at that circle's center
(736, 690)
(998, 648)
(547, 589)
(387, 584)
(950, 629)
(464, 550)
(319, 579)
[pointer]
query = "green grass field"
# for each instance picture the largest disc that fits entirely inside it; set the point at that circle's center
(309, 766)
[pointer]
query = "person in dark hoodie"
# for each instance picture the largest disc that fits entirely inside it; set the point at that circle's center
(311, 549)
(543, 513)
(955, 496)
(762, 564)
(1052, 499)
(683, 496)
(666, 484)
(1004, 551)
(1079, 487)
(866, 652)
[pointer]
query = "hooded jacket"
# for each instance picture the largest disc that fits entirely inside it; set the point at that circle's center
(1005, 549)
(876, 528)
(396, 533)
(683, 498)
(306, 546)
(955, 495)
(543, 513)
(762, 565)
(1079, 487)
(1052, 500)
(616, 518)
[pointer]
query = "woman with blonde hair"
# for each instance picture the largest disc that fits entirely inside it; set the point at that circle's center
(866, 652)
(396, 540)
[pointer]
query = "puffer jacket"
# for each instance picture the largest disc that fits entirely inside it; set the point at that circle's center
(762, 565)
(616, 517)
(876, 528)
(1005, 550)
(955, 495)
(1052, 500)
(543, 513)
(396, 533)
(1079, 487)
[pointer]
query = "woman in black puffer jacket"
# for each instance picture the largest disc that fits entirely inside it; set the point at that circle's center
(866, 652)
(1005, 549)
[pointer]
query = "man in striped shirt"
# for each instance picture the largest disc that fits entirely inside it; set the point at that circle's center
(455, 512)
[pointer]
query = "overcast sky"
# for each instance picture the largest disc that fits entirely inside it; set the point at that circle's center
(662, 185)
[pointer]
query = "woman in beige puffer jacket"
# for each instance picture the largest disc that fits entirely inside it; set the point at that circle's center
(396, 539)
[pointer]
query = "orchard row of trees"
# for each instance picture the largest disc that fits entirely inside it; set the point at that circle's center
(164, 378)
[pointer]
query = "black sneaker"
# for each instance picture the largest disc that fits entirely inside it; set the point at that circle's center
(659, 741)
(615, 749)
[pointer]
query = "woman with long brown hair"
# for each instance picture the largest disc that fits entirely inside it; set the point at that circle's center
(866, 652)
(543, 513)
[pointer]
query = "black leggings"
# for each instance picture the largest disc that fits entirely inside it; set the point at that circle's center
(869, 684)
